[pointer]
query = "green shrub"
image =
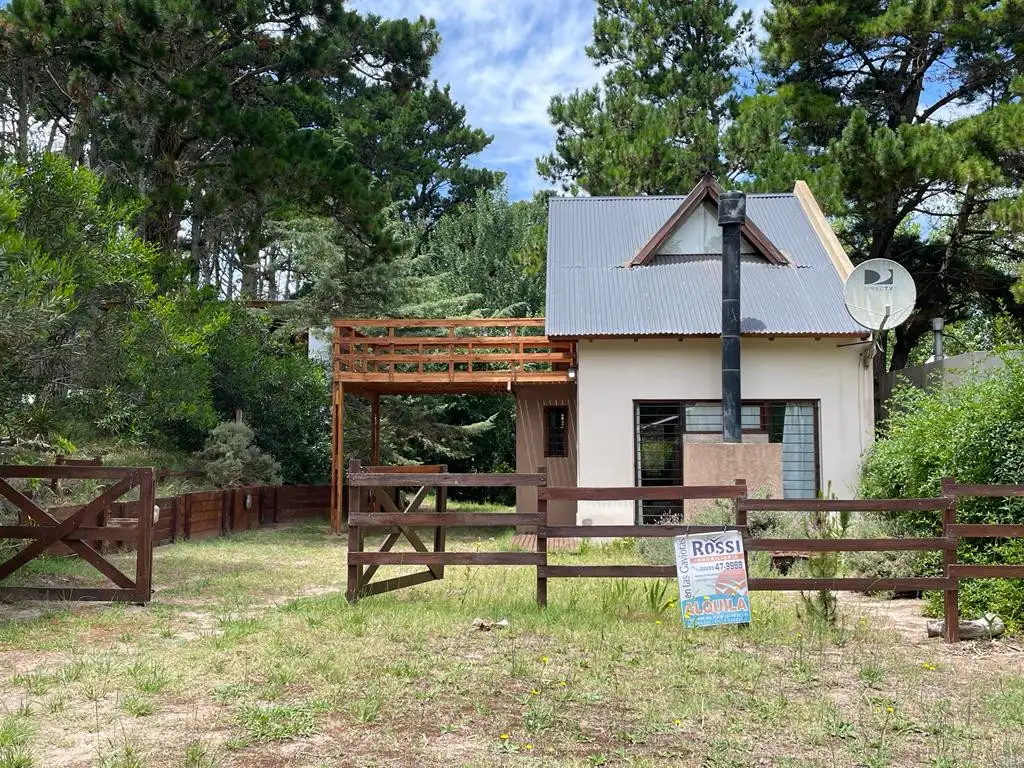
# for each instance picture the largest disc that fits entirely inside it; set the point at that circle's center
(230, 458)
(973, 432)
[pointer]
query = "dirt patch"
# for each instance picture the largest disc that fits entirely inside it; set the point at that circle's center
(906, 617)
(26, 662)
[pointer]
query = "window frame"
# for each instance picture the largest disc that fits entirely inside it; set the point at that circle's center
(765, 406)
(548, 410)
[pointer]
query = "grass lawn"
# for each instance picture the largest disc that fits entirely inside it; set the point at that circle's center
(250, 656)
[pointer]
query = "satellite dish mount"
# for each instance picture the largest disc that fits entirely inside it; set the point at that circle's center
(879, 295)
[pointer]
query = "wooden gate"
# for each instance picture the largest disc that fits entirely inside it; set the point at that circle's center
(80, 529)
(370, 489)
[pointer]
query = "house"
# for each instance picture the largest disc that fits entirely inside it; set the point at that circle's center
(636, 283)
(624, 387)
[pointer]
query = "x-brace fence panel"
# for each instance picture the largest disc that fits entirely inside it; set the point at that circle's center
(41, 530)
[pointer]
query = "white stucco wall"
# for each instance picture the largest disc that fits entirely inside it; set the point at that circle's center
(615, 372)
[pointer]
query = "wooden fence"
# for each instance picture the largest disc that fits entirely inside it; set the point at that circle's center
(403, 522)
(77, 531)
(208, 514)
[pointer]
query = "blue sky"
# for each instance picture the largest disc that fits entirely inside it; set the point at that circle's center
(504, 60)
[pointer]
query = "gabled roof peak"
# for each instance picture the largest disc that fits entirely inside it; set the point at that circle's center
(707, 189)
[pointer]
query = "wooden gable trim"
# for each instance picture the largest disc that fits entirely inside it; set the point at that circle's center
(707, 189)
(827, 236)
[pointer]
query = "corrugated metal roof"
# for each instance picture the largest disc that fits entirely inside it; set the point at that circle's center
(591, 293)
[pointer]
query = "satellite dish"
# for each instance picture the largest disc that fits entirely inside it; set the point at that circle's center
(880, 294)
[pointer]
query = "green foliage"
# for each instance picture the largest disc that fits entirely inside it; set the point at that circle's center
(284, 397)
(231, 150)
(905, 119)
(657, 596)
(973, 432)
(74, 273)
(654, 126)
(895, 111)
(277, 722)
(482, 253)
(823, 605)
(231, 459)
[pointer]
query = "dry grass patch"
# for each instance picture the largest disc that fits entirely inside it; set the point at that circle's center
(250, 656)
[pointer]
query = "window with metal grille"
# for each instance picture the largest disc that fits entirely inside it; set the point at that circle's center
(556, 431)
(661, 429)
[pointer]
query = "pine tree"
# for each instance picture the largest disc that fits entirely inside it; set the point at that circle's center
(907, 118)
(654, 125)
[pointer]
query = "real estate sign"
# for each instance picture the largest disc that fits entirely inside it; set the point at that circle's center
(712, 574)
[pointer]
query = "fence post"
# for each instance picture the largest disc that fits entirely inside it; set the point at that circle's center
(355, 543)
(951, 607)
(542, 541)
(174, 519)
(741, 522)
(144, 538)
(440, 507)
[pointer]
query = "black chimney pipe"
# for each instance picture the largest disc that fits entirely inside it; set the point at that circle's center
(732, 212)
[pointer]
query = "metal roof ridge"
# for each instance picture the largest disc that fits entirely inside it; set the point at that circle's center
(634, 198)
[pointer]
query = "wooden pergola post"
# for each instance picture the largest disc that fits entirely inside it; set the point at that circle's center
(375, 429)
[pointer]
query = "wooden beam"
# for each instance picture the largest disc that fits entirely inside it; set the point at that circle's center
(375, 428)
(454, 520)
(844, 505)
(849, 545)
(445, 322)
(70, 593)
(398, 582)
(606, 571)
(631, 531)
(987, 531)
(65, 472)
(987, 571)
(462, 479)
(850, 584)
(826, 235)
(633, 493)
(56, 530)
(446, 558)
(338, 462)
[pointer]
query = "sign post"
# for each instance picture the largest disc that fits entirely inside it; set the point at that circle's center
(712, 575)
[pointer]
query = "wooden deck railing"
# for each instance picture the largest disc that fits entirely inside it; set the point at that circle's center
(469, 351)
(403, 522)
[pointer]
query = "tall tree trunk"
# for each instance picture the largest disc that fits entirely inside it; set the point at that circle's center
(78, 133)
(249, 259)
(164, 215)
(24, 108)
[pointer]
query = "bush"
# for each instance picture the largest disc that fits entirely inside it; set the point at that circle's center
(973, 432)
(284, 397)
(231, 459)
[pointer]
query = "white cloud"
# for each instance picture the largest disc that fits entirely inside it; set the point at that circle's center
(504, 61)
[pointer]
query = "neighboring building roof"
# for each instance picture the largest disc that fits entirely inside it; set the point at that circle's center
(591, 290)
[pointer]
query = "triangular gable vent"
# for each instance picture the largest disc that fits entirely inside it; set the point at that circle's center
(705, 193)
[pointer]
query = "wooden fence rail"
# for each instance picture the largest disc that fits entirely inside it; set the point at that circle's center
(209, 514)
(402, 522)
(41, 530)
(104, 524)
